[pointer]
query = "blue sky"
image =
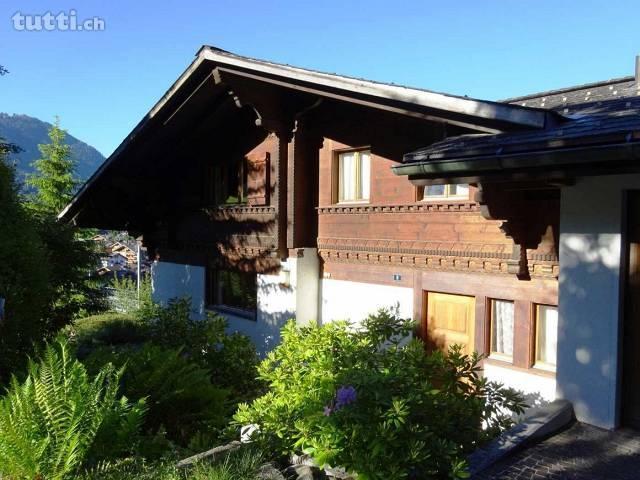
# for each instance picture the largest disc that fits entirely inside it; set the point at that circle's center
(102, 83)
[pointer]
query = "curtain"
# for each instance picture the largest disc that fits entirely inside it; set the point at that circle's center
(547, 334)
(347, 177)
(460, 190)
(434, 191)
(502, 327)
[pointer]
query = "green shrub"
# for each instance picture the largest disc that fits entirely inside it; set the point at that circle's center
(232, 359)
(59, 418)
(180, 396)
(106, 329)
(193, 373)
(365, 400)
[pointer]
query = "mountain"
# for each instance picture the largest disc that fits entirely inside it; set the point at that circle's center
(27, 132)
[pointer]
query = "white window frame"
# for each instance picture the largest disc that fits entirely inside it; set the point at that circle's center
(542, 365)
(361, 176)
(447, 193)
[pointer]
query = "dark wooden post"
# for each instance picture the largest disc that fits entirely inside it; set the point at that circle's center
(303, 169)
(279, 166)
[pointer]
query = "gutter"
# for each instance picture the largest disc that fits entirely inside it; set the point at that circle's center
(486, 165)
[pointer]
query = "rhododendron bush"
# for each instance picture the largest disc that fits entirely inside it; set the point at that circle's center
(375, 402)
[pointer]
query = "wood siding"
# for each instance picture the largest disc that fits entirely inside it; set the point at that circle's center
(395, 227)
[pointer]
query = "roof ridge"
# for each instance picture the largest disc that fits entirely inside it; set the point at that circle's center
(574, 88)
(348, 76)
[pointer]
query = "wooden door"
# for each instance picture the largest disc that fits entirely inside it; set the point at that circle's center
(450, 319)
(631, 325)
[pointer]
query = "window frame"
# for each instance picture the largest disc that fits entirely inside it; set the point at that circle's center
(492, 354)
(537, 363)
(338, 183)
(211, 288)
(423, 197)
(217, 175)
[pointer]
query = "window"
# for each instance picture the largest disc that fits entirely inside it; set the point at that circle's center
(226, 183)
(232, 290)
(354, 176)
(546, 336)
(502, 314)
(452, 190)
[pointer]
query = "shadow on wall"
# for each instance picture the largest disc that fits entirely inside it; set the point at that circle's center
(172, 280)
(276, 306)
(588, 324)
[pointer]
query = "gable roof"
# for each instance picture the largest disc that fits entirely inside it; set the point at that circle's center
(483, 114)
(473, 114)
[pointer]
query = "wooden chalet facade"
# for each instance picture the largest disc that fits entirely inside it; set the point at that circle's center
(270, 192)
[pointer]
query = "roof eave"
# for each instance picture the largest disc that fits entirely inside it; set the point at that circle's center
(485, 167)
(515, 115)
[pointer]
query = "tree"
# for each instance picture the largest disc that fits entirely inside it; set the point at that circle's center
(23, 271)
(53, 182)
(24, 276)
(71, 255)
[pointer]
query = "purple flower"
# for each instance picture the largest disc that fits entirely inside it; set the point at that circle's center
(345, 396)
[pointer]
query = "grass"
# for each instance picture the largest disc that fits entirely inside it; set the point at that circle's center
(241, 465)
(107, 329)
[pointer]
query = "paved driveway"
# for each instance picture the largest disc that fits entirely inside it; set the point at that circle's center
(581, 452)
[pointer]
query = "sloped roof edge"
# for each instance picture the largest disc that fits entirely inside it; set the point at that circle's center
(518, 116)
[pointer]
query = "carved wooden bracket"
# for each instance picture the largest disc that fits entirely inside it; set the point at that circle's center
(525, 220)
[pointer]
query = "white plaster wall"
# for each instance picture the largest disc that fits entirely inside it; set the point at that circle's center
(175, 280)
(293, 293)
(537, 389)
(354, 301)
(588, 369)
(276, 305)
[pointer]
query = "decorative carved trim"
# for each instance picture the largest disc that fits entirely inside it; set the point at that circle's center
(422, 207)
(246, 249)
(241, 210)
(502, 251)
(481, 258)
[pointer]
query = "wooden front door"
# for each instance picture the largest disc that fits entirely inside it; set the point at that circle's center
(631, 325)
(450, 319)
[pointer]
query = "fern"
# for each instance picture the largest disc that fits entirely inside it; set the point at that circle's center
(179, 393)
(49, 423)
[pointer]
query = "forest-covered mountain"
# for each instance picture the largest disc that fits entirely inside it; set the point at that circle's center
(27, 132)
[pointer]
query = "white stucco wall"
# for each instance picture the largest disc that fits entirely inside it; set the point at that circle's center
(175, 280)
(293, 293)
(588, 371)
(276, 305)
(354, 301)
(538, 389)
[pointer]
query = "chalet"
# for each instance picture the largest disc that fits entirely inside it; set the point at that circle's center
(114, 261)
(124, 250)
(268, 192)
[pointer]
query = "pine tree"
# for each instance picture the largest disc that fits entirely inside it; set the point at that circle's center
(71, 257)
(53, 182)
